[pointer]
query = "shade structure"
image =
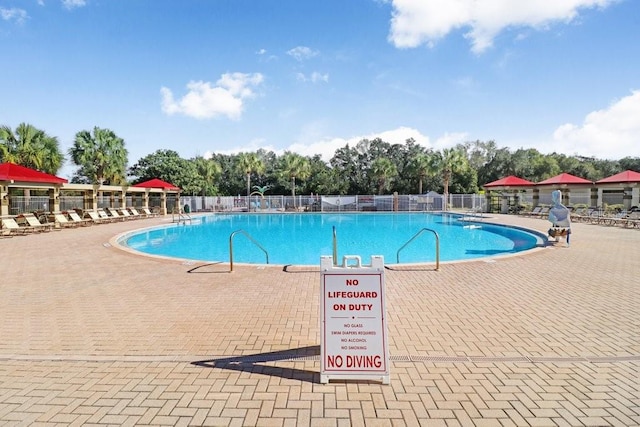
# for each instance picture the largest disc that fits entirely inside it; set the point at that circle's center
(625, 177)
(12, 172)
(565, 179)
(510, 181)
(157, 183)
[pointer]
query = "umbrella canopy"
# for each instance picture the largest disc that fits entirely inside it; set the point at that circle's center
(157, 183)
(565, 179)
(625, 177)
(510, 181)
(13, 172)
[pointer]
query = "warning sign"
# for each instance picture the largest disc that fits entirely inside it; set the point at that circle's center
(353, 325)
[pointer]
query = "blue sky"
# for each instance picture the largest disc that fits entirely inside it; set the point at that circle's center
(202, 76)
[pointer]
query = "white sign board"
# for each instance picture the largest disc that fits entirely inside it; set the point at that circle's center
(353, 324)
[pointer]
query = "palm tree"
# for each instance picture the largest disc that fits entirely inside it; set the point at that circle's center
(383, 170)
(209, 170)
(30, 147)
(249, 163)
(423, 165)
(101, 156)
(294, 166)
(451, 161)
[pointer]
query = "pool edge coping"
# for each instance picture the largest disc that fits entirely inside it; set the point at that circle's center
(114, 242)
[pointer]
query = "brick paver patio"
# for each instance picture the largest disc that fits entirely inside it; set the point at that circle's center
(93, 335)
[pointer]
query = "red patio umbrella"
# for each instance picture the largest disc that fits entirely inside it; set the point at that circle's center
(12, 172)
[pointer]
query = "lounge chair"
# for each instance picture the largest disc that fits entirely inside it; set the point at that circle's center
(597, 216)
(578, 213)
(584, 215)
(543, 213)
(10, 227)
(95, 217)
(533, 212)
(125, 214)
(74, 217)
(62, 220)
(114, 214)
(148, 212)
(105, 216)
(34, 222)
(633, 219)
(134, 212)
(613, 218)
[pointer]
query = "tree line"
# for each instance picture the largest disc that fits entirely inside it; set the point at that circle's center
(368, 167)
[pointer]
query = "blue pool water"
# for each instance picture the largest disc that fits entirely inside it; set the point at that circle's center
(301, 239)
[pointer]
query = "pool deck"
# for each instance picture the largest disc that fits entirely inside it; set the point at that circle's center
(93, 335)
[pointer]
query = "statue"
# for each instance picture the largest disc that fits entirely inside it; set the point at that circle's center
(560, 218)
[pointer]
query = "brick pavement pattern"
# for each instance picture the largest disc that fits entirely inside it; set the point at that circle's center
(94, 335)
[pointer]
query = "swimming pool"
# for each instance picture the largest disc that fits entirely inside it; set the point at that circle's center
(301, 239)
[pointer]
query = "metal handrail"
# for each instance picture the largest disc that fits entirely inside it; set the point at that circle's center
(251, 239)
(181, 217)
(335, 246)
(414, 237)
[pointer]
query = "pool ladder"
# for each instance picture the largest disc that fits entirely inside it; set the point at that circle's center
(335, 246)
(416, 236)
(254, 241)
(181, 217)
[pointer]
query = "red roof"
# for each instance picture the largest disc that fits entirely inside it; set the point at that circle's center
(510, 181)
(156, 183)
(622, 177)
(564, 178)
(13, 172)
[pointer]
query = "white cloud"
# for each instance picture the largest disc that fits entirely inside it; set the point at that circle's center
(449, 140)
(301, 53)
(14, 14)
(204, 101)
(611, 133)
(261, 52)
(253, 146)
(326, 147)
(314, 77)
(71, 4)
(416, 22)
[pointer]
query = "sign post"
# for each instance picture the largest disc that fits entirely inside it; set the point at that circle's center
(353, 325)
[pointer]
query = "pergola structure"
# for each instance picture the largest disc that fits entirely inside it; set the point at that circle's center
(508, 186)
(17, 176)
(565, 182)
(151, 188)
(627, 181)
(624, 187)
(19, 182)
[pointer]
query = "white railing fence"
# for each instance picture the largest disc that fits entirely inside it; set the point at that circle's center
(307, 203)
(330, 203)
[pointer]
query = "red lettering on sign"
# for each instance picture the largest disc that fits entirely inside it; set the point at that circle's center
(334, 361)
(364, 362)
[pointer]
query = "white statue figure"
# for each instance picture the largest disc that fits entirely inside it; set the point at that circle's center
(560, 218)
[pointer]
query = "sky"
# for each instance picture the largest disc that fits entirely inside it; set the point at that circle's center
(310, 76)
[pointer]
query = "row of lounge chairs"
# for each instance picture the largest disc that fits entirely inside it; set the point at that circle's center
(537, 212)
(598, 216)
(112, 215)
(592, 215)
(36, 222)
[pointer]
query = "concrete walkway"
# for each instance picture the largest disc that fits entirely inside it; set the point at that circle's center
(93, 335)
